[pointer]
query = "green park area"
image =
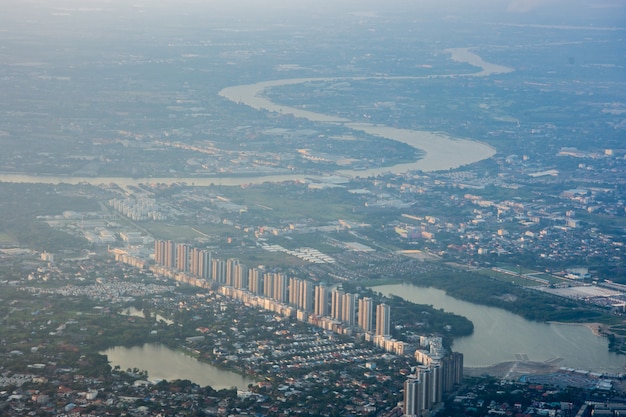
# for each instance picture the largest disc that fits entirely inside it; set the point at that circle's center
(279, 204)
(165, 231)
(525, 278)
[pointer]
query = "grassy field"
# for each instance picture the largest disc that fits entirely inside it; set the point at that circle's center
(279, 206)
(512, 278)
(511, 274)
(254, 258)
(172, 232)
(6, 239)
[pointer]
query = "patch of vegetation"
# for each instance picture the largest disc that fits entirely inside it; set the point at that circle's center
(275, 204)
(532, 305)
(19, 207)
(182, 233)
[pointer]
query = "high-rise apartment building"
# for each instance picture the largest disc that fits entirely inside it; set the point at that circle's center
(165, 253)
(200, 264)
(218, 270)
(336, 310)
(280, 287)
(306, 296)
(240, 276)
(418, 393)
(255, 281)
(366, 312)
(229, 279)
(424, 392)
(321, 300)
(383, 320)
(452, 371)
(295, 287)
(194, 262)
(411, 406)
(427, 386)
(159, 252)
(182, 257)
(349, 309)
(268, 284)
(436, 379)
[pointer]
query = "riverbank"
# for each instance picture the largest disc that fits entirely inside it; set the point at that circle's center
(440, 151)
(598, 329)
(501, 336)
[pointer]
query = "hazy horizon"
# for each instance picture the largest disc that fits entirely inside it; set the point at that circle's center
(529, 11)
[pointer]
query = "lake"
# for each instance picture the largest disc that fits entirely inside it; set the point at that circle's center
(501, 336)
(163, 363)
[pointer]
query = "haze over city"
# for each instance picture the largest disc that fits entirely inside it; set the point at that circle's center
(320, 208)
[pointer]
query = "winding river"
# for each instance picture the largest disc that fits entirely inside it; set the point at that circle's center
(501, 336)
(440, 151)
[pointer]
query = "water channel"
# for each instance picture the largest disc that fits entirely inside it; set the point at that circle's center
(501, 336)
(163, 363)
(441, 152)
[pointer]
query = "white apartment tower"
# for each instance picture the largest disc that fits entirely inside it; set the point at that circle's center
(348, 314)
(306, 302)
(366, 313)
(321, 300)
(182, 257)
(255, 281)
(383, 320)
(411, 402)
(336, 311)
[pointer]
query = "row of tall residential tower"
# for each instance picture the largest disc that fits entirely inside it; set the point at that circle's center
(332, 309)
(300, 293)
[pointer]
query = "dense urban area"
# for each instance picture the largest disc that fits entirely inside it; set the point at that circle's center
(233, 198)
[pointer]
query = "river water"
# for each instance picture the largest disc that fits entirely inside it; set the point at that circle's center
(440, 151)
(501, 336)
(163, 363)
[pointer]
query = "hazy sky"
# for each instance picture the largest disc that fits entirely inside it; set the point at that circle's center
(97, 18)
(615, 8)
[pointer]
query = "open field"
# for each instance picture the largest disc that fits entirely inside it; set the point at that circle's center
(253, 257)
(506, 277)
(6, 239)
(520, 275)
(276, 206)
(172, 232)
